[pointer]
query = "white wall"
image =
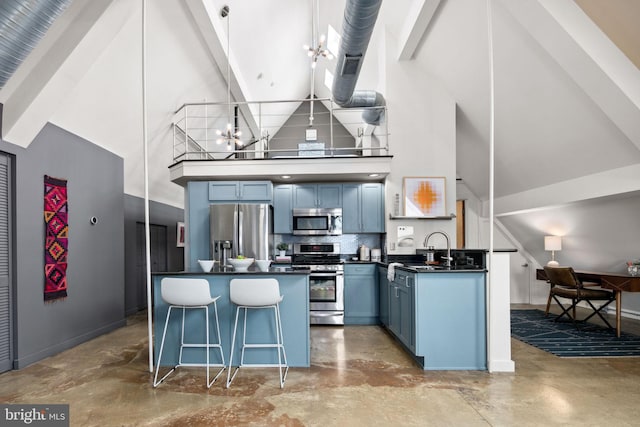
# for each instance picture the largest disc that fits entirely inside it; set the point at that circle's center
(420, 147)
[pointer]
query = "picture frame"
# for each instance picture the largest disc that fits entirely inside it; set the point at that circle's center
(424, 196)
(311, 134)
(180, 235)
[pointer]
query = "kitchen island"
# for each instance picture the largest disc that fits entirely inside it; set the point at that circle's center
(438, 315)
(294, 309)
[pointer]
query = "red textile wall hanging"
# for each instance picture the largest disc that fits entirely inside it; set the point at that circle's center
(56, 238)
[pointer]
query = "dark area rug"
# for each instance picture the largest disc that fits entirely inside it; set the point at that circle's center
(564, 340)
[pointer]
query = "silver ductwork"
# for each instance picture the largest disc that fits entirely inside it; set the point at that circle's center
(359, 19)
(22, 25)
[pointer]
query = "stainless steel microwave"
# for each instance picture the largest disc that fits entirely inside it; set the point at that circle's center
(317, 222)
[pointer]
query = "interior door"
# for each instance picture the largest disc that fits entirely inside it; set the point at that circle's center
(158, 252)
(519, 287)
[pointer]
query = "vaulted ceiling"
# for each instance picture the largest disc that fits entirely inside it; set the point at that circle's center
(567, 96)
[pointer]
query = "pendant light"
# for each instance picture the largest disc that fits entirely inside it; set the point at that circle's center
(316, 49)
(229, 135)
(314, 53)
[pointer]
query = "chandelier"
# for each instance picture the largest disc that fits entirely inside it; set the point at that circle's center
(229, 135)
(316, 49)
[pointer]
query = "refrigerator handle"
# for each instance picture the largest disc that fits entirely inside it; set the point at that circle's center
(240, 231)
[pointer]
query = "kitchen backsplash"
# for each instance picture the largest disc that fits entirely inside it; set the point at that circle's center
(349, 243)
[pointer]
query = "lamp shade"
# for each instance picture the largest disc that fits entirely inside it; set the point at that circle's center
(552, 243)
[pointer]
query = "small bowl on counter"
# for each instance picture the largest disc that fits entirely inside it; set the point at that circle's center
(263, 264)
(241, 264)
(206, 264)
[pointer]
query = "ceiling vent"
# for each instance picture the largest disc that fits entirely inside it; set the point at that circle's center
(359, 19)
(22, 24)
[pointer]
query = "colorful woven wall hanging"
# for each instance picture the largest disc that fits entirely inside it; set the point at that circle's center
(56, 238)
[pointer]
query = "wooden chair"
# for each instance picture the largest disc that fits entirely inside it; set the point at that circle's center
(565, 284)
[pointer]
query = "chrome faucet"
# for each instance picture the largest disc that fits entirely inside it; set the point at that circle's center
(446, 236)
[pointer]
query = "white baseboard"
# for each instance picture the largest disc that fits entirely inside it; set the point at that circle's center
(630, 314)
(501, 366)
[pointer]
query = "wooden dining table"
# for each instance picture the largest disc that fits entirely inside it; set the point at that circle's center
(617, 282)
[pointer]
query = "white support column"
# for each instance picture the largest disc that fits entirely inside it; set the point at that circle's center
(499, 316)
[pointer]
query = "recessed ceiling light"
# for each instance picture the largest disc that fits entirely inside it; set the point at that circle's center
(285, 176)
(373, 175)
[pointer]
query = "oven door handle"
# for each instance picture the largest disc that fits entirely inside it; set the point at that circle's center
(326, 274)
(327, 314)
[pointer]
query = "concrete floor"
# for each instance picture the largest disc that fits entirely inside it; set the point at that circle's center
(359, 377)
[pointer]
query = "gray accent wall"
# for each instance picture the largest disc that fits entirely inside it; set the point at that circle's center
(293, 131)
(95, 275)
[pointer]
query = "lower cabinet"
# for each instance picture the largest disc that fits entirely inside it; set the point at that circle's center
(361, 305)
(402, 313)
(383, 292)
(438, 317)
(451, 329)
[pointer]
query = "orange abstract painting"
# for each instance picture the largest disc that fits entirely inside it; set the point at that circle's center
(424, 196)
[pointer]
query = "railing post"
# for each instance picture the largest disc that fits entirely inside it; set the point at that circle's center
(386, 127)
(206, 131)
(186, 133)
(331, 125)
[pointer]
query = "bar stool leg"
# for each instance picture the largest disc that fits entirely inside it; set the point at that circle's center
(218, 346)
(206, 327)
(281, 350)
(230, 377)
(156, 383)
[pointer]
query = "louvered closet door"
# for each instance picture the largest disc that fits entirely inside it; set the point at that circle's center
(6, 359)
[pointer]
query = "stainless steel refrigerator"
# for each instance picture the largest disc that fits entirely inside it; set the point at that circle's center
(241, 229)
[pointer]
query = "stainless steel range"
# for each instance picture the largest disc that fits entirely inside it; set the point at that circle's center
(326, 281)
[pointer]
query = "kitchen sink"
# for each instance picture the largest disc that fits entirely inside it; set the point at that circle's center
(422, 267)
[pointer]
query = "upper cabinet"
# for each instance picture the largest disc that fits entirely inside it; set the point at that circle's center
(362, 205)
(363, 208)
(282, 209)
(317, 195)
(241, 191)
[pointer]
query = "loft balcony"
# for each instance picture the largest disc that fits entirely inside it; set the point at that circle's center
(306, 139)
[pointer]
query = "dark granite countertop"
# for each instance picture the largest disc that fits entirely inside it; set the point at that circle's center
(217, 270)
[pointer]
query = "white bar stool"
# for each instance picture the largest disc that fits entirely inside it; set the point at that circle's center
(257, 294)
(185, 294)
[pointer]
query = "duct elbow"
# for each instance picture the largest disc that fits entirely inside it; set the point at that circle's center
(373, 116)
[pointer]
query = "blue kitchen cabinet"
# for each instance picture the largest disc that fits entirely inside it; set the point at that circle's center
(363, 208)
(383, 295)
(317, 196)
(282, 209)
(439, 317)
(241, 191)
(361, 305)
(450, 320)
(402, 311)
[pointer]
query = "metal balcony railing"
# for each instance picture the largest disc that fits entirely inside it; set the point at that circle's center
(275, 129)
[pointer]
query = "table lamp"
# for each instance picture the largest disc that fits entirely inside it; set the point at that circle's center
(552, 243)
